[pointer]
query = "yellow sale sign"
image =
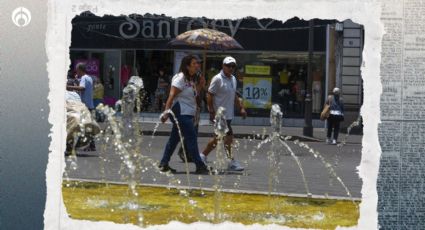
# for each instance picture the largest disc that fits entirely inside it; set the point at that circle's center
(257, 92)
(257, 69)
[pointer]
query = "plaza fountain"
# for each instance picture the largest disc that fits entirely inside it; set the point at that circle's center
(170, 198)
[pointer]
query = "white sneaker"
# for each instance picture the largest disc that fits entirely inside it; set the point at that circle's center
(235, 166)
(334, 142)
(203, 158)
(328, 141)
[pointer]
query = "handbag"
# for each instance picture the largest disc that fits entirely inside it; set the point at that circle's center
(325, 112)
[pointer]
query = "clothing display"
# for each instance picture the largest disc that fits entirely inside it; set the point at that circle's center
(125, 75)
(283, 77)
(317, 95)
(98, 92)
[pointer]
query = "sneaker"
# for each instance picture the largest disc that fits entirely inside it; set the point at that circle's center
(334, 142)
(203, 157)
(328, 141)
(235, 166)
(166, 168)
(203, 170)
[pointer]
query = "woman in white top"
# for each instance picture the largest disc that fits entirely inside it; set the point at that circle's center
(182, 101)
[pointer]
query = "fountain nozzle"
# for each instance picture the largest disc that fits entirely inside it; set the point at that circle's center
(276, 118)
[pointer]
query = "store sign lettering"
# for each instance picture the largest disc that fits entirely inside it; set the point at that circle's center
(129, 26)
(264, 27)
(92, 27)
(162, 29)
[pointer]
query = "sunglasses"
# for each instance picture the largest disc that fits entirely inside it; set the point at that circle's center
(231, 66)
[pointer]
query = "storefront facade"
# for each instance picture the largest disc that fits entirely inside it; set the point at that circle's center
(272, 67)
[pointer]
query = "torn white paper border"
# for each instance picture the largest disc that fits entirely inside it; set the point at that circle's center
(60, 14)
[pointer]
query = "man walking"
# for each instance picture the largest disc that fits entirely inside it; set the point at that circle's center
(86, 89)
(222, 93)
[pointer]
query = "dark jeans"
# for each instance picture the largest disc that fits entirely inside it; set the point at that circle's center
(230, 132)
(190, 140)
(333, 124)
(92, 145)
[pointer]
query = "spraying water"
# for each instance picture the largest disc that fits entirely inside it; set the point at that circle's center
(126, 136)
(220, 129)
(274, 154)
(181, 141)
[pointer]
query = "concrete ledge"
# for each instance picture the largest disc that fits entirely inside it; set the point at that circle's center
(240, 191)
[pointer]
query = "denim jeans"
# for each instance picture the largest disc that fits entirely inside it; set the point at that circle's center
(190, 139)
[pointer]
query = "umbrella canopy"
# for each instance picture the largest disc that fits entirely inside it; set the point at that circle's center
(205, 38)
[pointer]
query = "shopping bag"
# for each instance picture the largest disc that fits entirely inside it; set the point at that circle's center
(325, 112)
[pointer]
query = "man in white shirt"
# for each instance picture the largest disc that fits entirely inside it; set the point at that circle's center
(86, 89)
(222, 93)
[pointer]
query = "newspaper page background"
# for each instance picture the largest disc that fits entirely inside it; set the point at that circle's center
(401, 178)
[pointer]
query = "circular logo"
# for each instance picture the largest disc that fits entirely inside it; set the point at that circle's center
(21, 16)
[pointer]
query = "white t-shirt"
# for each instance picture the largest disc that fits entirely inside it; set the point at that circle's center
(187, 96)
(224, 90)
(87, 95)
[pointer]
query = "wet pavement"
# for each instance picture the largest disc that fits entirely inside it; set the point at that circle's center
(255, 177)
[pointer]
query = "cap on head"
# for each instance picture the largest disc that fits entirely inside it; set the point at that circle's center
(336, 90)
(229, 60)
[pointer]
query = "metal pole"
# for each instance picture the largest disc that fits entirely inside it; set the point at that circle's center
(204, 60)
(308, 126)
(328, 59)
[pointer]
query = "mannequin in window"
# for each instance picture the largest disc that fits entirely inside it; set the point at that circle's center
(284, 92)
(317, 90)
(284, 78)
(125, 75)
(300, 93)
(162, 89)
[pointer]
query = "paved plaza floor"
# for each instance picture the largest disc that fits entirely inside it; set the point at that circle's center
(107, 165)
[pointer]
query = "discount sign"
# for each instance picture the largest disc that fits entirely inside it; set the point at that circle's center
(257, 92)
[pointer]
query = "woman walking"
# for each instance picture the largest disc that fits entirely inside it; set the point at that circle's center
(182, 101)
(336, 115)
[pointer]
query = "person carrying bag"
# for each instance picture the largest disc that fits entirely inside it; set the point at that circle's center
(335, 115)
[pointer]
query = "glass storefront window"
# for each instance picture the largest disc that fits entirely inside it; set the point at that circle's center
(274, 78)
(150, 65)
(264, 78)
